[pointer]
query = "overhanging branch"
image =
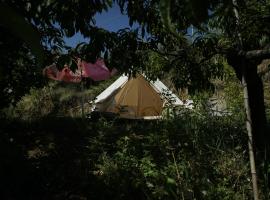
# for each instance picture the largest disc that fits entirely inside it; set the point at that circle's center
(255, 54)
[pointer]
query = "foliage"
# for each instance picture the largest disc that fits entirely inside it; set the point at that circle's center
(18, 70)
(35, 105)
(191, 64)
(267, 101)
(233, 94)
(17, 25)
(32, 33)
(192, 156)
(56, 99)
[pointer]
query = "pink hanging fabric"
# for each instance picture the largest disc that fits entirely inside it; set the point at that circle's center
(68, 76)
(97, 71)
(64, 75)
(51, 72)
(114, 72)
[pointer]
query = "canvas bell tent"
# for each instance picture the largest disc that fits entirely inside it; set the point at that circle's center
(136, 98)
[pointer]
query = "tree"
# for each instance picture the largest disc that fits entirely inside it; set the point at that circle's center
(217, 35)
(167, 36)
(31, 33)
(238, 30)
(40, 25)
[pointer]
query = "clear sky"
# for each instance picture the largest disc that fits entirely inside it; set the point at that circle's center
(111, 20)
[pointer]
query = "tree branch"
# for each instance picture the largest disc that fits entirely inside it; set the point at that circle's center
(256, 54)
(163, 53)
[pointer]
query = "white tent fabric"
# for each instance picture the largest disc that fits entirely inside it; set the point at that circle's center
(157, 85)
(162, 89)
(113, 87)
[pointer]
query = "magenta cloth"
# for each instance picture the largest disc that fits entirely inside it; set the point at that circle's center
(64, 75)
(68, 76)
(51, 72)
(97, 71)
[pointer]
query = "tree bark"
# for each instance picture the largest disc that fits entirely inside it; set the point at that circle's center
(256, 54)
(257, 109)
(250, 81)
(256, 100)
(259, 132)
(260, 138)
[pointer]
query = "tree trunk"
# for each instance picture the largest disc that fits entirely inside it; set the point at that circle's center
(257, 109)
(255, 100)
(246, 72)
(260, 134)
(249, 122)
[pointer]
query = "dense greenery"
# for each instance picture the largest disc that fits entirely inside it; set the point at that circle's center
(192, 156)
(49, 152)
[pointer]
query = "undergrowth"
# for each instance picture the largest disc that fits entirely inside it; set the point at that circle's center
(192, 156)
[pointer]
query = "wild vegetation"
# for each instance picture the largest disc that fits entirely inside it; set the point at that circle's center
(50, 151)
(194, 155)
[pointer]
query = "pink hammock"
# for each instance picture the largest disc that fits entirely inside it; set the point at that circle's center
(64, 75)
(97, 71)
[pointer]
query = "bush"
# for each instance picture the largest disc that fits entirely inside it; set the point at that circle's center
(192, 156)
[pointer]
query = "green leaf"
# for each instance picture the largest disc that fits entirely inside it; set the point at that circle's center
(18, 26)
(171, 181)
(143, 32)
(199, 10)
(164, 7)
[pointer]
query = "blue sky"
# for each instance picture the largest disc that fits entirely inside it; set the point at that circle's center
(111, 20)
